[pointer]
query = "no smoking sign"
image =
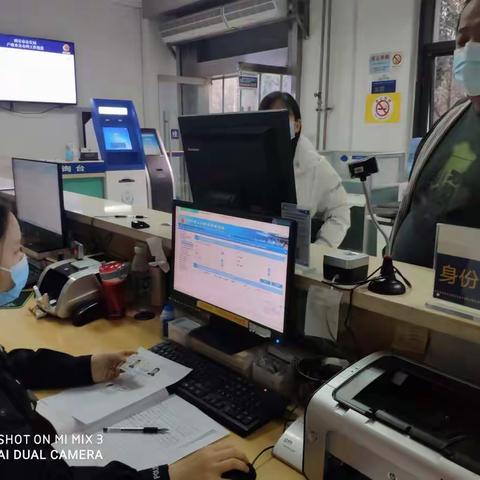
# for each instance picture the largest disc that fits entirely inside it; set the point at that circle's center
(383, 108)
(397, 59)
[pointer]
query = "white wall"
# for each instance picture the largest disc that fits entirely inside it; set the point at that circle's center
(108, 41)
(361, 28)
(157, 58)
(312, 48)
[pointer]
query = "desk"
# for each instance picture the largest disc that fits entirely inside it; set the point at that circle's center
(20, 329)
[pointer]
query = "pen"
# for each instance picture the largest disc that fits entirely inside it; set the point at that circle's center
(135, 430)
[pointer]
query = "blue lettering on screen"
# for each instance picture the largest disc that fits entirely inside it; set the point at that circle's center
(36, 44)
(242, 235)
(117, 138)
(239, 248)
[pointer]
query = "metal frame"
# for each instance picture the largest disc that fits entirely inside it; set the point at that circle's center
(261, 68)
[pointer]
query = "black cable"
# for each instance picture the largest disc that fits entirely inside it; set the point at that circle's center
(271, 447)
(407, 282)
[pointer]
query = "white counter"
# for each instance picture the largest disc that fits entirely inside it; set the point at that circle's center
(98, 212)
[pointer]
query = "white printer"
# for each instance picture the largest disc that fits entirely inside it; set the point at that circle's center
(389, 418)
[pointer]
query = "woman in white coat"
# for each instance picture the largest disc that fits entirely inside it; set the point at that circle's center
(318, 185)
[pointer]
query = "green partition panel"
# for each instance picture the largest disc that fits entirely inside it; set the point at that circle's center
(92, 186)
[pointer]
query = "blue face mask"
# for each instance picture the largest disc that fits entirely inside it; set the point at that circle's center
(466, 68)
(19, 273)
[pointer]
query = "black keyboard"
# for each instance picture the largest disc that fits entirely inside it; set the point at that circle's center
(227, 397)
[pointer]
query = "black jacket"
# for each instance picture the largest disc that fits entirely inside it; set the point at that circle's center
(19, 422)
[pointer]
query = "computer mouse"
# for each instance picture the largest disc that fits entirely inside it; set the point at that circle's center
(138, 224)
(239, 475)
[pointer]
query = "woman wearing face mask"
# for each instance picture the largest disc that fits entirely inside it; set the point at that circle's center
(22, 369)
(446, 175)
(318, 185)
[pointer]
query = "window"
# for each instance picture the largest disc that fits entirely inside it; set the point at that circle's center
(216, 95)
(226, 95)
(447, 15)
(437, 91)
(230, 94)
(269, 82)
(445, 91)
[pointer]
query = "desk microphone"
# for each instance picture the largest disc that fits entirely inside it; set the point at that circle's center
(387, 282)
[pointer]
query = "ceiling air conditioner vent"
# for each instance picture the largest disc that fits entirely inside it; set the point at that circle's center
(243, 13)
(203, 24)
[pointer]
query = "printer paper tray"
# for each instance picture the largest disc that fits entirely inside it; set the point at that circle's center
(438, 411)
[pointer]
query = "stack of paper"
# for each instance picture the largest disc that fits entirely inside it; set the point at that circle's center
(138, 398)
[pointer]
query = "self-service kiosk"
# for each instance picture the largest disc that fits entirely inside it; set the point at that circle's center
(161, 185)
(121, 148)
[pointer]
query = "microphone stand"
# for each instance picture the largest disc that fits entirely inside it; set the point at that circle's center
(387, 282)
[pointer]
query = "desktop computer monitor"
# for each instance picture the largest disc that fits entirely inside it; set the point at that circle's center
(240, 161)
(39, 199)
(236, 267)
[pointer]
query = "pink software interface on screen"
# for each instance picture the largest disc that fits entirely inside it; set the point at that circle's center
(233, 263)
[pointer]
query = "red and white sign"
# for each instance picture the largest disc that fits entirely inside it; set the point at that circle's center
(382, 109)
(397, 59)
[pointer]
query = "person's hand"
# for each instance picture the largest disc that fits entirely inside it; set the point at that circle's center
(209, 464)
(106, 366)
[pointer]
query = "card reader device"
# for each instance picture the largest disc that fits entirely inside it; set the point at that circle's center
(344, 267)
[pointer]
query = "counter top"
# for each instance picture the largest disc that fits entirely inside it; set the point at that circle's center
(410, 307)
(101, 213)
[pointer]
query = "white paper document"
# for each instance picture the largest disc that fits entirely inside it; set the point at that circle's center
(189, 430)
(145, 374)
(322, 315)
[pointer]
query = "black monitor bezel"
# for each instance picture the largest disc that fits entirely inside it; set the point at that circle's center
(276, 120)
(190, 301)
(62, 238)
